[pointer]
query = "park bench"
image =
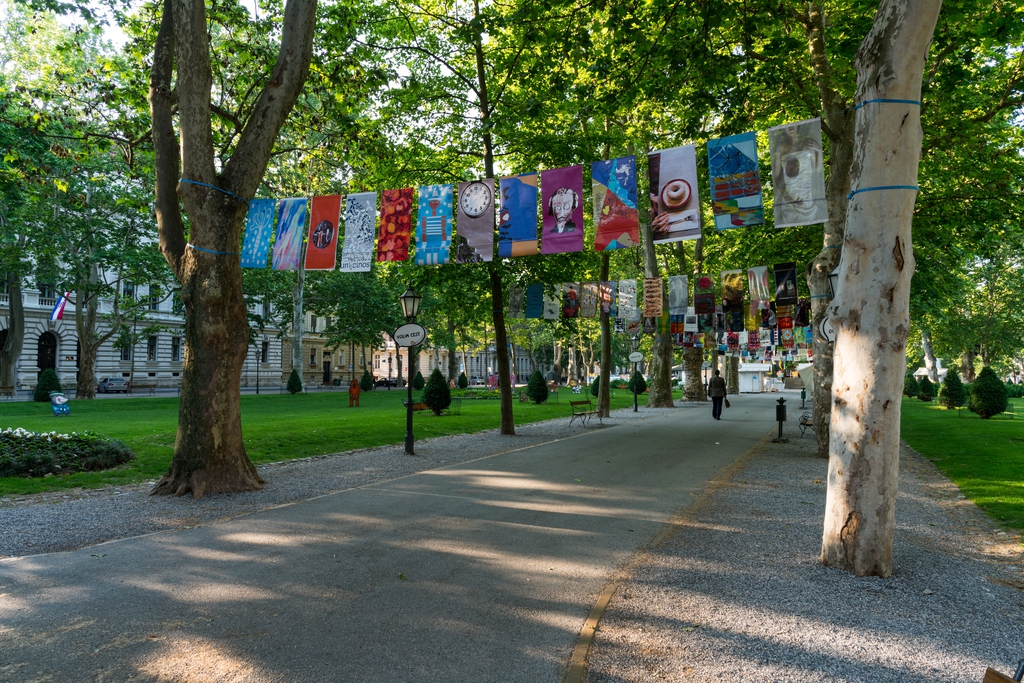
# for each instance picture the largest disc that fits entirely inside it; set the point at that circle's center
(582, 411)
(993, 676)
(147, 388)
(806, 423)
(7, 391)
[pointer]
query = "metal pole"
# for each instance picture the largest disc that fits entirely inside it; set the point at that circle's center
(408, 412)
(634, 388)
(258, 352)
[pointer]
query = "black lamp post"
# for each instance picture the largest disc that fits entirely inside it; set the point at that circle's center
(410, 308)
(389, 371)
(634, 346)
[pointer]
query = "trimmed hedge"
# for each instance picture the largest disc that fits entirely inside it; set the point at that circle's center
(437, 395)
(910, 386)
(595, 386)
(28, 454)
(48, 382)
(418, 382)
(639, 382)
(294, 382)
(988, 394)
(537, 388)
(952, 393)
(366, 381)
(925, 390)
(462, 382)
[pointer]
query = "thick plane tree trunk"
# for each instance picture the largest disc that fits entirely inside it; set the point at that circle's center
(929, 355)
(871, 313)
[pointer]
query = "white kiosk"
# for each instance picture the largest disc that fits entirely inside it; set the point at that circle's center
(752, 377)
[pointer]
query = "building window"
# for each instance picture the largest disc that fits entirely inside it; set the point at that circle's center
(128, 290)
(151, 349)
(264, 352)
(327, 324)
(177, 305)
(126, 353)
(312, 358)
(47, 295)
(154, 298)
(175, 349)
(312, 323)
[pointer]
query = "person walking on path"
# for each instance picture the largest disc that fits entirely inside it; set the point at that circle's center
(716, 389)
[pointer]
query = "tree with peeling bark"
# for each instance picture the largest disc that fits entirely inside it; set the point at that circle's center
(209, 454)
(871, 311)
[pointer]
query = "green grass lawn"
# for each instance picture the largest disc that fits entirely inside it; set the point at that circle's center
(985, 458)
(276, 427)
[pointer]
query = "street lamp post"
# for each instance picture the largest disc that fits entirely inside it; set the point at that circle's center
(410, 308)
(389, 372)
(634, 347)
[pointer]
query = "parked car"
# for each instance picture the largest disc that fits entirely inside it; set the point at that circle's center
(109, 384)
(384, 382)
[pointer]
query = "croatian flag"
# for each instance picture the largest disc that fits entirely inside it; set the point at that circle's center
(58, 308)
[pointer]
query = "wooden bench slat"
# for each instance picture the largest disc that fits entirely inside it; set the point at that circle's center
(993, 676)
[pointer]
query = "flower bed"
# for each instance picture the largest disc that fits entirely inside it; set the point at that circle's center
(28, 454)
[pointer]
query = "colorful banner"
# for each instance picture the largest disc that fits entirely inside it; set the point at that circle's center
(704, 295)
(798, 173)
(291, 221)
(785, 284)
(357, 249)
(475, 241)
(259, 226)
(654, 297)
(609, 294)
(615, 213)
(627, 300)
(515, 301)
(678, 294)
(675, 201)
(760, 289)
(517, 218)
(588, 299)
(322, 244)
(570, 300)
(735, 181)
(732, 290)
(802, 314)
(562, 198)
(395, 227)
(535, 301)
(434, 231)
(552, 306)
(784, 317)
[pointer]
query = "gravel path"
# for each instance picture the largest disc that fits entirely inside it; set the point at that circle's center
(67, 520)
(738, 593)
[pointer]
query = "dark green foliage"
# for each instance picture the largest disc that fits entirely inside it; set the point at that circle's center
(437, 394)
(637, 381)
(294, 382)
(988, 394)
(925, 389)
(27, 454)
(910, 386)
(595, 386)
(952, 393)
(366, 381)
(536, 388)
(47, 382)
(463, 382)
(1014, 390)
(418, 381)
(619, 384)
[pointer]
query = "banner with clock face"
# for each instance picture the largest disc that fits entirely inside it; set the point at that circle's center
(475, 222)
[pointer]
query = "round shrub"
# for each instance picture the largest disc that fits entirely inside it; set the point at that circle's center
(437, 394)
(910, 386)
(952, 393)
(294, 382)
(988, 394)
(418, 381)
(637, 384)
(925, 389)
(595, 386)
(536, 388)
(1014, 390)
(28, 454)
(366, 381)
(47, 382)
(463, 382)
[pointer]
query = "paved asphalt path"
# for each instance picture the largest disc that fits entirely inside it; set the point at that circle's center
(482, 571)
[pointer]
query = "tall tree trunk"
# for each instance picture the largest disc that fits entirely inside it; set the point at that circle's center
(692, 361)
(10, 350)
(89, 340)
(508, 425)
(604, 393)
(732, 375)
(838, 124)
(209, 453)
(871, 313)
(967, 366)
(453, 359)
(929, 355)
(660, 395)
(298, 320)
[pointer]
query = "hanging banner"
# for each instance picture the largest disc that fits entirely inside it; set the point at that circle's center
(732, 290)
(535, 301)
(654, 295)
(517, 218)
(690, 322)
(434, 228)
(752, 320)
(704, 295)
(515, 301)
(627, 300)
(475, 239)
(802, 313)
(617, 223)
(675, 201)
(735, 181)
(357, 249)
(785, 284)
(798, 173)
(291, 221)
(570, 300)
(784, 317)
(678, 294)
(562, 201)
(395, 227)
(588, 299)
(552, 306)
(676, 324)
(322, 244)
(609, 294)
(760, 292)
(259, 226)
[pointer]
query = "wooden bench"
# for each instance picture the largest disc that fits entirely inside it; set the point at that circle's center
(7, 391)
(993, 676)
(582, 411)
(805, 423)
(147, 388)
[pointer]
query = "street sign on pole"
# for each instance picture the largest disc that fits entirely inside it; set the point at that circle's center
(410, 334)
(827, 331)
(636, 357)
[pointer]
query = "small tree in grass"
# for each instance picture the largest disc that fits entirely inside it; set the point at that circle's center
(637, 381)
(436, 393)
(595, 386)
(366, 381)
(463, 382)
(47, 382)
(910, 386)
(294, 382)
(417, 381)
(536, 388)
(951, 392)
(988, 394)
(925, 389)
